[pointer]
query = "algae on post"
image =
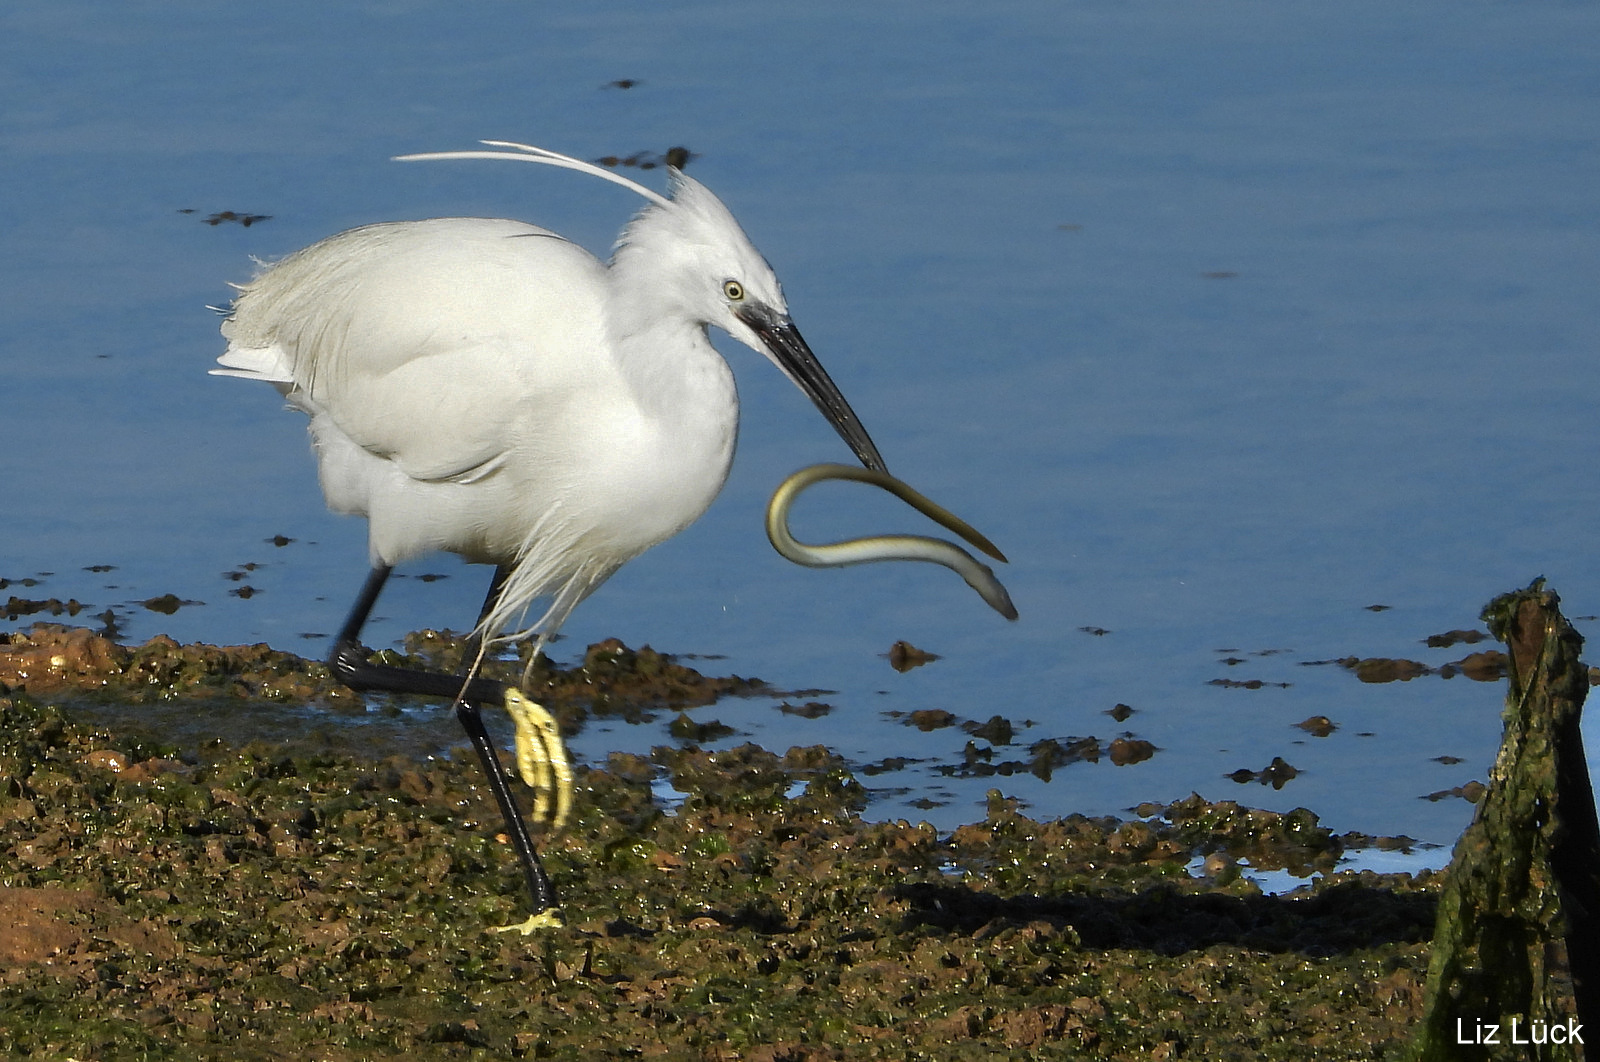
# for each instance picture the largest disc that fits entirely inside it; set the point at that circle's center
(1519, 920)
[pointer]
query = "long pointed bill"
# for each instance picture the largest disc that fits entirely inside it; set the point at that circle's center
(791, 354)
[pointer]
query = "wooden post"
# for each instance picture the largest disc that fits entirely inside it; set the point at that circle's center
(1520, 910)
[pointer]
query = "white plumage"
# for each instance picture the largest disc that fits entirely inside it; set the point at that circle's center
(487, 388)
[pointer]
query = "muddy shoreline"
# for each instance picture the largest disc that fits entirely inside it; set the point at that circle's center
(288, 900)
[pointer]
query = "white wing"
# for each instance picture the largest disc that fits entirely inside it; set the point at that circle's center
(432, 344)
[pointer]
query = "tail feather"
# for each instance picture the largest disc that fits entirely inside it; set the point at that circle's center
(259, 363)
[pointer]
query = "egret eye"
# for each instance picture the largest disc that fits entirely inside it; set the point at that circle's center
(733, 290)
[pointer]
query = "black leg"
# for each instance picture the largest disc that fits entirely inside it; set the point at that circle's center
(349, 663)
(349, 660)
(467, 711)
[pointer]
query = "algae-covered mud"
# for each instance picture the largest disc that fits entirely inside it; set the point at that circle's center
(316, 899)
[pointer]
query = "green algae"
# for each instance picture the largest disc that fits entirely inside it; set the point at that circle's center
(268, 901)
(1517, 923)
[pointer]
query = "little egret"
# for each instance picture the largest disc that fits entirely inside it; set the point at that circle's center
(487, 388)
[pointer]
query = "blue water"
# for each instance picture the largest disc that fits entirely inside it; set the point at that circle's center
(1225, 321)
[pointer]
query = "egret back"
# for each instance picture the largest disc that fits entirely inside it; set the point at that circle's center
(426, 342)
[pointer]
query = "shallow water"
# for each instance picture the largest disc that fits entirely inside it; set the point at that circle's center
(1225, 323)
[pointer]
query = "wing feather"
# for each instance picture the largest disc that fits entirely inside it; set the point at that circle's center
(431, 344)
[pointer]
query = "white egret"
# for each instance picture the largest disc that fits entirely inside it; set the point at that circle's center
(487, 388)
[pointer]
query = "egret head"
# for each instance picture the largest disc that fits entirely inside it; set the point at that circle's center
(694, 258)
(687, 257)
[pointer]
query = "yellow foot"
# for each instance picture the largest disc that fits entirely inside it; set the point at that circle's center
(548, 919)
(542, 762)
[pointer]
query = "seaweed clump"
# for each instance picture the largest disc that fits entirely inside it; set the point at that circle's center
(257, 902)
(297, 907)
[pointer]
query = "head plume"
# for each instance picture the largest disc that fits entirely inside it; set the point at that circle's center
(528, 153)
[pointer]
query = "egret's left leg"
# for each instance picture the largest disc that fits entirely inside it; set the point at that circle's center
(348, 660)
(542, 764)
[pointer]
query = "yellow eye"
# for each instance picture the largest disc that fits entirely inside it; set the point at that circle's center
(733, 290)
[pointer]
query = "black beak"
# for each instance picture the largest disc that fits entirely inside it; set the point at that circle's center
(789, 350)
